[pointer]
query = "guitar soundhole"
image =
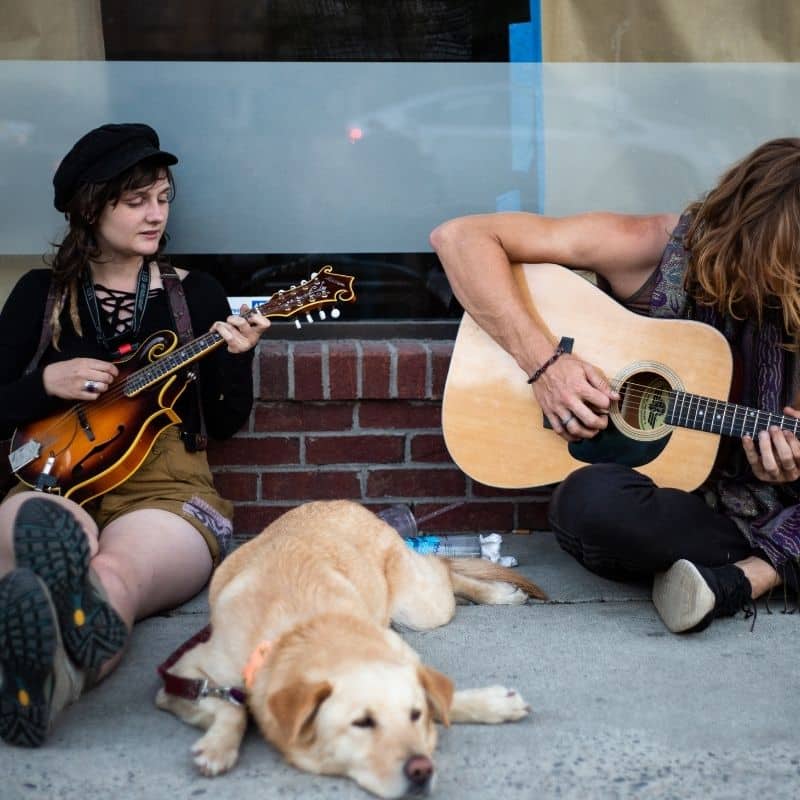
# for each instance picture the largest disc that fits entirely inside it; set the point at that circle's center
(644, 399)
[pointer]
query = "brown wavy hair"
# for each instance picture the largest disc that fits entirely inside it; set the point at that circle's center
(79, 246)
(744, 237)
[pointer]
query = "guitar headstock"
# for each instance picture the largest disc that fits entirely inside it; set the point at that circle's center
(321, 289)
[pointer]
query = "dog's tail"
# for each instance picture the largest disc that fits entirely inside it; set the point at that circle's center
(482, 570)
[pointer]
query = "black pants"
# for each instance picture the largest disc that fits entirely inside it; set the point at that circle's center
(619, 524)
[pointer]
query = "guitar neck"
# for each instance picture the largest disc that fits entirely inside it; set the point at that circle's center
(727, 419)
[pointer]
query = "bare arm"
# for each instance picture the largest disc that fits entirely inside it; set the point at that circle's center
(476, 253)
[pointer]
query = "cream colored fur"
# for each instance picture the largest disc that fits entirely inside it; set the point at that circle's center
(341, 693)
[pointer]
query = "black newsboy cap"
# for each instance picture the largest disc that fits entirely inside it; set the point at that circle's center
(104, 153)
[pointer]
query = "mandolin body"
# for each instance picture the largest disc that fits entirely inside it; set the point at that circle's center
(93, 447)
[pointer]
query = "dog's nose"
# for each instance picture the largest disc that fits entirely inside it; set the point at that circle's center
(418, 770)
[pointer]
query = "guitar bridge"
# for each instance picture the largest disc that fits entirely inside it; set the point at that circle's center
(24, 455)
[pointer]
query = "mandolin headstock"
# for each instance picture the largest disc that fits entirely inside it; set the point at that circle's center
(323, 288)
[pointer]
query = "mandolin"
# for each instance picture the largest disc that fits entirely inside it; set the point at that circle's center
(669, 373)
(87, 449)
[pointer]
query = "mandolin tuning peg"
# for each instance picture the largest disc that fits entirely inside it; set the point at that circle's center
(309, 318)
(336, 313)
(314, 275)
(322, 314)
(297, 324)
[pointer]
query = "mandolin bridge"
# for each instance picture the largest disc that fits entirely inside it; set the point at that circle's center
(24, 455)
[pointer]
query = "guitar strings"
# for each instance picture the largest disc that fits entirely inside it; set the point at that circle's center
(638, 391)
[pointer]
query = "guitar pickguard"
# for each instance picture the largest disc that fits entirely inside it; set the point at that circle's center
(612, 446)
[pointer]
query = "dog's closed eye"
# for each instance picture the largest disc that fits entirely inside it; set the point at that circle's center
(415, 714)
(367, 721)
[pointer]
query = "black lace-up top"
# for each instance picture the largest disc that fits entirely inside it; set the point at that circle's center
(117, 307)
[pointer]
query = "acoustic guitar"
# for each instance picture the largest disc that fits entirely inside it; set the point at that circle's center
(87, 449)
(670, 375)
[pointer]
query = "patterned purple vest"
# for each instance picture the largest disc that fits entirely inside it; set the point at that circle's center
(768, 515)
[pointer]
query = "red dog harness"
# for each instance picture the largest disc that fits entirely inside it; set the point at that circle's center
(196, 688)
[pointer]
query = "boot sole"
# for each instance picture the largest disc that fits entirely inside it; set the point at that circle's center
(28, 642)
(49, 541)
(682, 598)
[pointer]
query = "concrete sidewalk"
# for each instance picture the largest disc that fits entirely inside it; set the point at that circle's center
(622, 708)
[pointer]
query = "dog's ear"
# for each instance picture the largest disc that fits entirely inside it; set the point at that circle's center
(439, 691)
(295, 708)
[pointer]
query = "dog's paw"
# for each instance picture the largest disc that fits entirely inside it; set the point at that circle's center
(506, 594)
(490, 705)
(213, 756)
(506, 705)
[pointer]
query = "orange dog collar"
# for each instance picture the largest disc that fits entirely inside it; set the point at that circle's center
(257, 659)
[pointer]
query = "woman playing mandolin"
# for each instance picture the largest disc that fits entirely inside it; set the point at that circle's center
(150, 524)
(729, 261)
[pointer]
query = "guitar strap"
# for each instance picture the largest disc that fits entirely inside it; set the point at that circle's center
(183, 327)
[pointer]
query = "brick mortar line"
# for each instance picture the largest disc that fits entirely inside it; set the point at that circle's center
(290, 371)
(325, 371)
(393, 358)
(359, 369)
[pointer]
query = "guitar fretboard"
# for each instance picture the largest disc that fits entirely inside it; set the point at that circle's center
(717, 416)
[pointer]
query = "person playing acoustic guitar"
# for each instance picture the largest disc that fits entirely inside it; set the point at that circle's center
(729, 261)
(75, 577)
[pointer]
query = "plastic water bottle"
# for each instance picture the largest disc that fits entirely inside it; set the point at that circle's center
(457, 545)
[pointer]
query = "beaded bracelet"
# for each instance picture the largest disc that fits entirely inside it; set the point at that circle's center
(550, 361)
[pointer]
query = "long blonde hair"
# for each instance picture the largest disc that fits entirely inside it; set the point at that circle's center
(744, 237)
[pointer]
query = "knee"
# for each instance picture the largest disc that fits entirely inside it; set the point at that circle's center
(588, 502)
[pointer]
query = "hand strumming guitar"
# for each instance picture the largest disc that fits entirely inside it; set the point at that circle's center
(575, 396)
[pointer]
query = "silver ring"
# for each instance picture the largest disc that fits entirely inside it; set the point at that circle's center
(567, 421)
(90, 386)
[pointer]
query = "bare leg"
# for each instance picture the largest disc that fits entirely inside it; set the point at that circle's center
(761, 574)
(148, 561)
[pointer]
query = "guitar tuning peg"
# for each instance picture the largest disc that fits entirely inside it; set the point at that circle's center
(309, 318)
(314, 275)
(336, 313)
(303, 282)
(297, 324)
(322, 314)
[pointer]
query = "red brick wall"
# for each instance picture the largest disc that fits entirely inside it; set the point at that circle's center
(357, 419)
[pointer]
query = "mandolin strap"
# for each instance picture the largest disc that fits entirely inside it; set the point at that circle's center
(47, 329)
(183, 327)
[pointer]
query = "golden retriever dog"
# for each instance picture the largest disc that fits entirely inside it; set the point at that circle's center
(303, 612)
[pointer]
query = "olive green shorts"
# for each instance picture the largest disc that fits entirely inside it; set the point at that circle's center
(174, 480)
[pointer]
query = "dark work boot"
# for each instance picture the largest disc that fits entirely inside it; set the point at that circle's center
(37, 679)
(49, 541)
(689, 597)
